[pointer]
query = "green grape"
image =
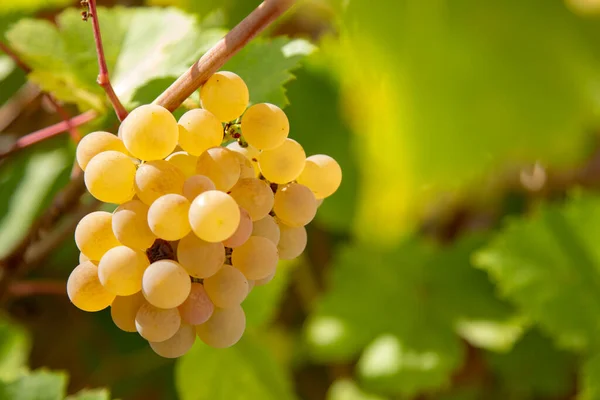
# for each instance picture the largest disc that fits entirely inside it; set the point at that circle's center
(265, 126)
(130, 225)
(221, 166)
(242, 233)
(150, 132)
(321, 174)
(199, 130)
(85, 290)
(264, 281)
(267, 228)
(246, 168)
(227, 288)
(255, 196)
(282, 164)
(185, 162)
(199, 258)
(249, 152)
(292, 241)
(121, 269)
(224, 328)
(225, 95)
(256, 258)
(168, 217)
(214, 216)
(109, 177)
(124, 309)
(178, 344)
(95, 143)
(198, 307)
(194, 185)
(157, 324)
(166, 284)
(295, 204)
(94, 235)
(157, 178)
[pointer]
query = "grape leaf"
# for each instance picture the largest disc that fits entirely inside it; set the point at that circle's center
(38, 385)
(590, 378)
(91, 394)
(345, 389)
(12, 6)
(14, 350)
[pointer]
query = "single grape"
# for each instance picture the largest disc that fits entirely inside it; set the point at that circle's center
(194, 185)
(168, 217)
(178, 344)
(225, 95)
(242, 233)
(124, 309)
(198, 307)
(199, 258)
(221, 166)
(109, 177)
(185, 162)
(150, 132)
(157, 178)
(121, 269)
(321, 174)
(292, 241)
(256, 258)
(264, 281)
(282, 164)
(94, 235)
(95, 143)
(265, 126)
(267, 228)
(157, 324)
(227, 288)
(166, 284)
(246, 168)
(199, 130)
(85, 290)
(249, 152)
(295, 204)
(255, 196)
(214, 216)
(130, 225)
(224, 328)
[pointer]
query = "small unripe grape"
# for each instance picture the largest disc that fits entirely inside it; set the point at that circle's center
(94, 235)
(265, 126)
(85, 290)
(295, 204)
(157, 178)
(150, 132)
(224, 328)
(199, 130)
(221, 166)
(109, 177)
(166, 284)
(95, 143)
(214, 216)
(282, 164)
(121, 269)
(321, 174)
(168, 217)
(185, 162)
(130, 225)
(225, 95)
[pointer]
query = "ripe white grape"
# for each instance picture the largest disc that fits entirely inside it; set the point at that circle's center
(199, 258)
(242, 233)
(150, 132)
(255, 196)
(249, 152)
(267, 228)
(265, 126)
(292, 241)
(282, 164)
(198, 307)
(225, 95)
(295, 204)
(121, 269)
(95, 143)
(194, 185)
(264, 281)
(321, 174)
(199, 130)
(157, 178)
(124, 309)
(214, 216)
(94, 235)
(221, 166)
(178, 344)
(85, 290)
(246, 168)
(130, 225)
(168, 217)
(257, 258)
(184, 161)
(224, 328)
(227, 288)
(109, 177)
(166, 284)
(157, 324)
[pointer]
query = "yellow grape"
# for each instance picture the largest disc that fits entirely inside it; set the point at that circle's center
(321, 174)
(94, 235)
(168, 217)
(166, 284)
(124, 309)
(198, 307)
(249, 152)
(292, 241)
(256, 258)
(267, 228)
(282, 164)
(185, 162)
(157, 178)
(225, 95)
(85, 290)
(265, 126)
(157, 324)
(221, 166)
(242, 233)
(295, 204)
(130, 225)
(150, 132)
(178, 344)
(109, 177)
(199, 130)
(95, 143)
(224, 328)
(199, 258)
(255, 196)
(227, 288)
(194, 185)
(264, 281)
(246, 168)
(214, 216)
(121, 269)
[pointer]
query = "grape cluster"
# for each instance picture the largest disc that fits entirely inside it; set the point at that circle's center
(206, 208)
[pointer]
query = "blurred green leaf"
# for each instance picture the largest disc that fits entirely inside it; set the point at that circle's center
(232, 11)
(39, 385)
(91, 394)
(590, 379)
(11, 6)
(14, 350)
(346, 389)
(492, 335)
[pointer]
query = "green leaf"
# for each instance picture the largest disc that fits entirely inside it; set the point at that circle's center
(590, 377)
(91, 394)
(14, 350)
(11, 6)
(39, 385)
(245, 371)
(492, 335)
(345, 389)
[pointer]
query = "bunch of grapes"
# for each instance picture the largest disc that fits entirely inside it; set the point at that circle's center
(206, 208)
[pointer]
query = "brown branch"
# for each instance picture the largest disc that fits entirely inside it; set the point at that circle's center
(218, 55)
(14, 57)
(34, 288)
